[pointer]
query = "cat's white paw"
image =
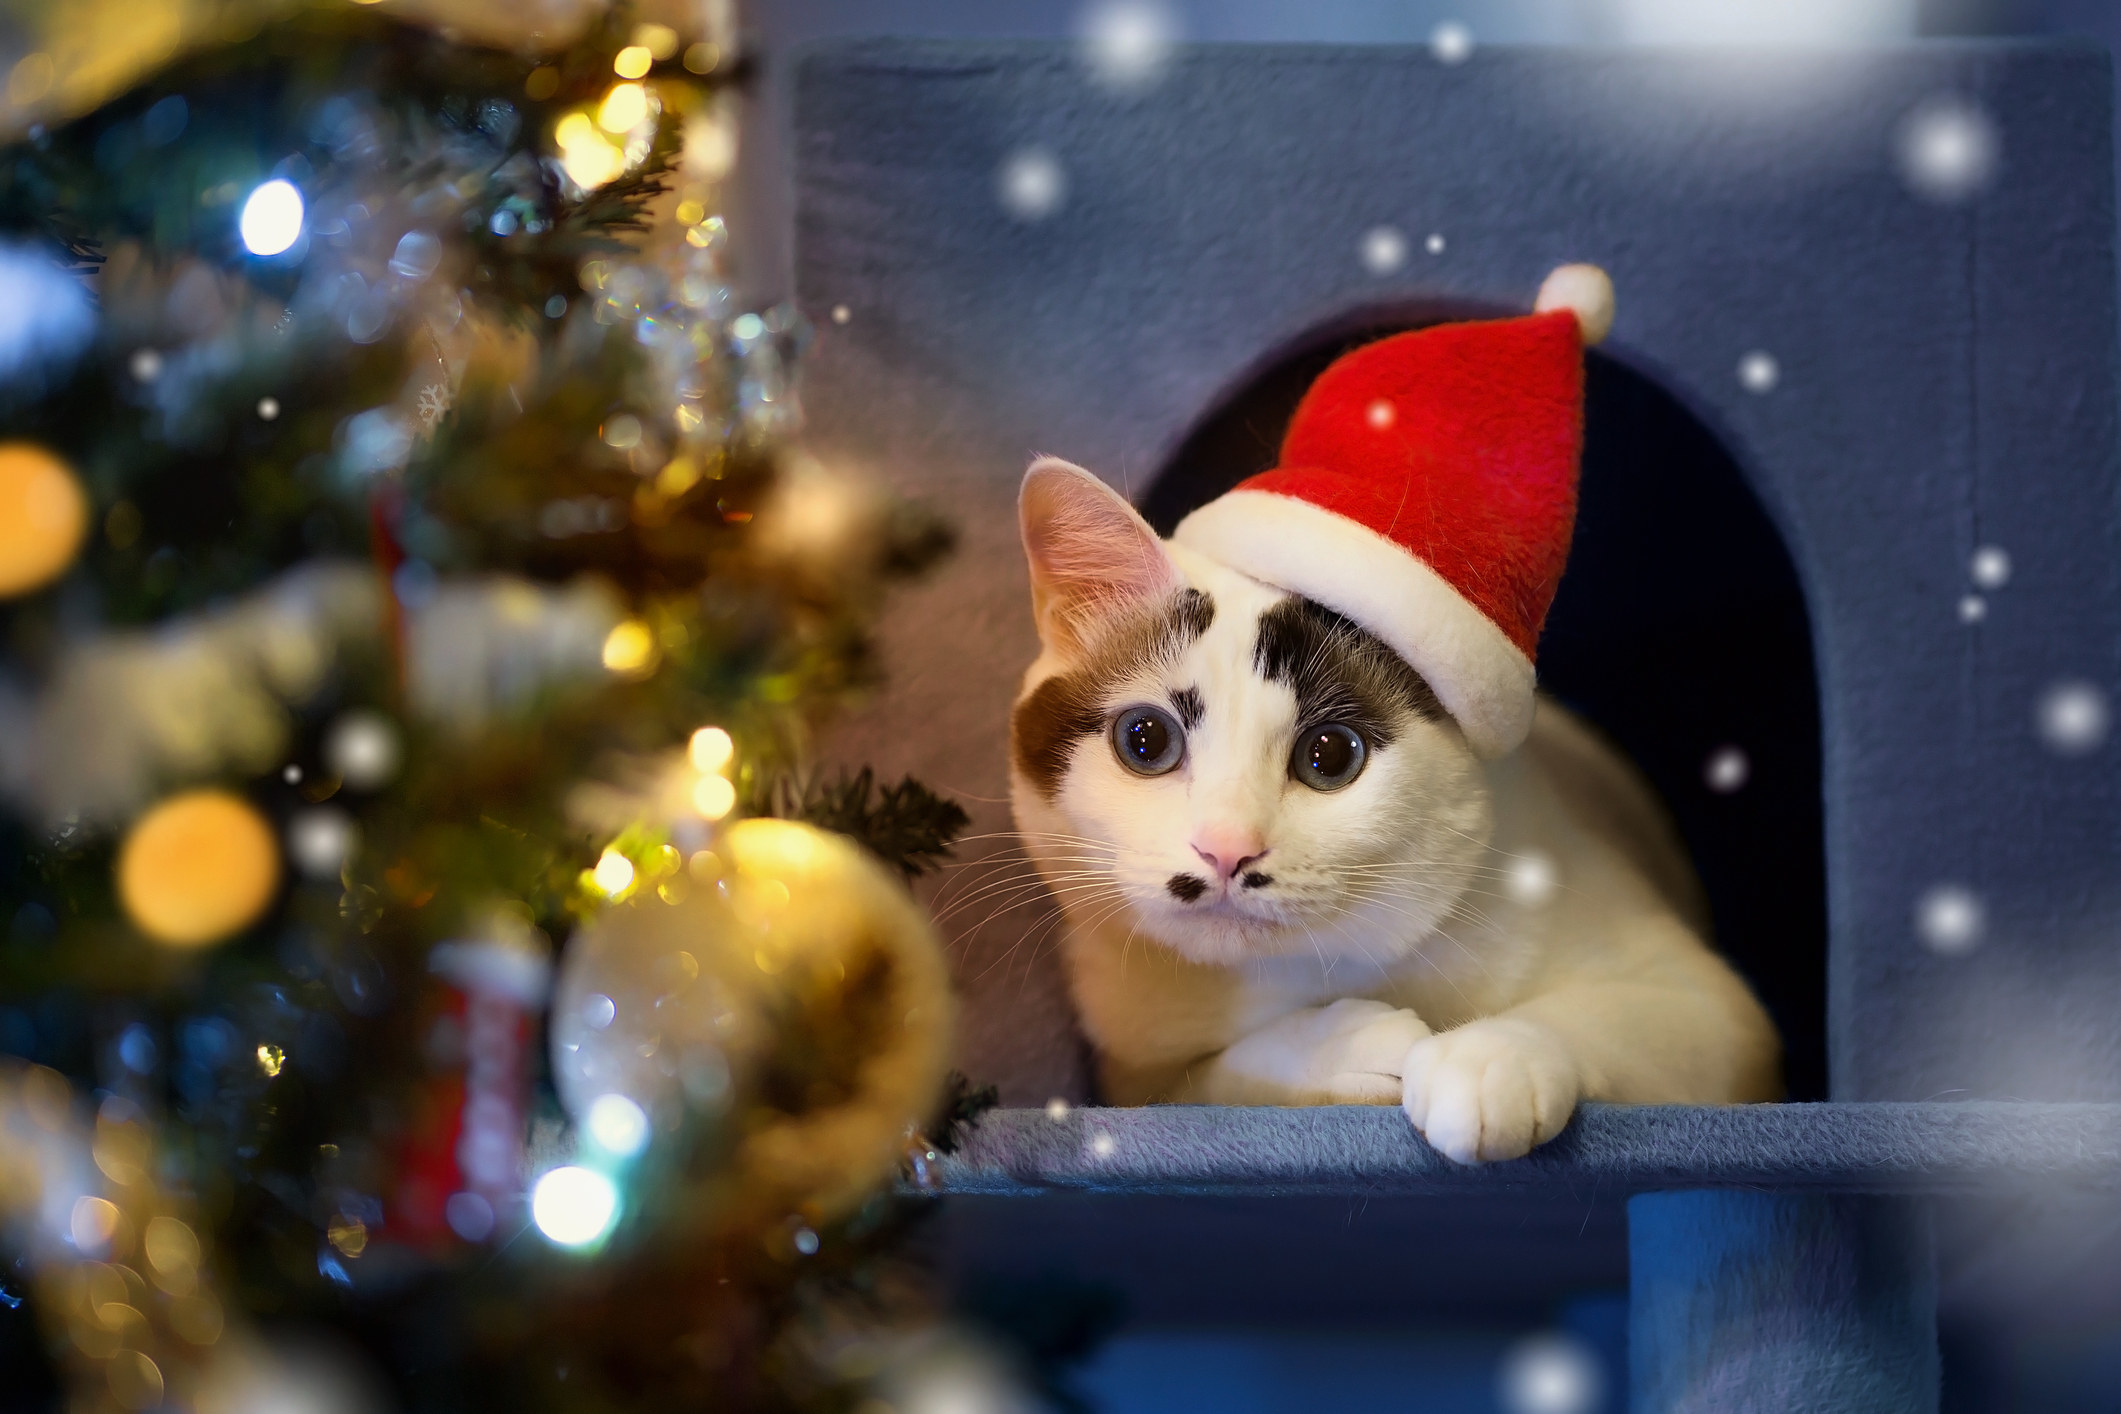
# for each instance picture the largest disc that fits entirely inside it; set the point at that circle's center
(1346, 1053)
(1491, 1089)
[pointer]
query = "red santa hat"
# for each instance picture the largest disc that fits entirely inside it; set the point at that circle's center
(1427, 490)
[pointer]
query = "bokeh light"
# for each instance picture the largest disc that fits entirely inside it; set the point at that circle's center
(272, 218)
(2073, 718)
(618, 1125)
(1384, 249)
(1553, 1373)
(1949, 150)
(1128, 43)
(629, 649)
(713, 797)
(1990, 567)
(1532, 879)
(363, 748)
(1031, 184)
(1727, 770)
(710, 749)
(1950, 919)
(574, 1206)
(1451, 42)
(1758, 372)
(613, 874)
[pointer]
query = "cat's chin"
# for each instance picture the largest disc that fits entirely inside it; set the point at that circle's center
(1220, 934)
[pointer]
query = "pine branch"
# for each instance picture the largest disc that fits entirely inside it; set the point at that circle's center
(908, 826)
(961, 1108)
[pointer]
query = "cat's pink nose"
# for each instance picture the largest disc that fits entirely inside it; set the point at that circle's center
(1228, 848)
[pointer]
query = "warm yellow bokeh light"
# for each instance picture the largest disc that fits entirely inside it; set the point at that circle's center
(710, 749)
(198, 868)
(613, 874)
(587, 157)
(634, 61)
(659, 40)
(629, 649)
(624, 108)
(43, 517)
(713, 797)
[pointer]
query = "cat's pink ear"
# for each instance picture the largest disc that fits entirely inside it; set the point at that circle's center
(1092, 557)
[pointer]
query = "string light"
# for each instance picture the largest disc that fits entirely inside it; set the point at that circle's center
(613, 874)
(574, 1206)
(624, 108)
(629, 649)
(618, 1125)
(713, 797)
(272, 217)
(710, 749)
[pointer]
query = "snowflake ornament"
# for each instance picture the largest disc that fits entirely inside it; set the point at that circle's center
(433, 405)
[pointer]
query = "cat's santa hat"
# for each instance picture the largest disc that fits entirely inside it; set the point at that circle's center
(1427, 490)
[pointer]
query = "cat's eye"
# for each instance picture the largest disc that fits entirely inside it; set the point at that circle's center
(1148, 740)
(1328, 757)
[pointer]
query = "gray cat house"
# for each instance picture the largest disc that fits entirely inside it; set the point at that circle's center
(1845, 585)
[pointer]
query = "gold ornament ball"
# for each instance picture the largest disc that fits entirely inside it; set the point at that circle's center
(791, 994)
(197, 868)
(43, 517)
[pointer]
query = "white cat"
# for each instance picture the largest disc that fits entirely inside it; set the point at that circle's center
(1292, 873)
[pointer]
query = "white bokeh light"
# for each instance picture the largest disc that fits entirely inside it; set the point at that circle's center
(363, 748)
(272, 217)
(1990, 567)
(1727, 770)
(1948, 149)
(1451, 42)
(1551, 1374)
(2073, 718)
(320, 840)
(1972, 608)
(1949, 919)
(1758, 372)
(1384, 249)
(1532, 879)
(618, 1125)
(574, 1206)
(1031, 185)
(1128, 43)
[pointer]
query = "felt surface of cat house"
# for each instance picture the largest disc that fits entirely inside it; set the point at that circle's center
(1881, 282)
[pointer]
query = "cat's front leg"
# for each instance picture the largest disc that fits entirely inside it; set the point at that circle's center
(1348, 1052)
(1492, 1088)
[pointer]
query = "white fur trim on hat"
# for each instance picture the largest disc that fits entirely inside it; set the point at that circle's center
(1479, 675)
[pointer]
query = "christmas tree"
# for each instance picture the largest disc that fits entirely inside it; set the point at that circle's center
(423, 921)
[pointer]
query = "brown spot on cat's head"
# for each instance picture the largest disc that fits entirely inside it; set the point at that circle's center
(1070, 706)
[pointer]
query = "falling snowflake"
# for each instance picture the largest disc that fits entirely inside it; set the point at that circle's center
(435, 402)
(1949, 149)
(1384, 249)
(1949, 919)
(1727, 770)
(1758, 372)
(1031, 184)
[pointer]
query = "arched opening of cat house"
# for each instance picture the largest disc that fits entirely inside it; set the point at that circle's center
(1680, 631)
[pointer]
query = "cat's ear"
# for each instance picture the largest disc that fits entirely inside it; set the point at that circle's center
(1092, 556)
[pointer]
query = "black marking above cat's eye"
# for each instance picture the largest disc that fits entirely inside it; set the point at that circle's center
(1256, 880)
(1068, 707)
(1186, 702)
(1186, 887)
(1339, 671)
